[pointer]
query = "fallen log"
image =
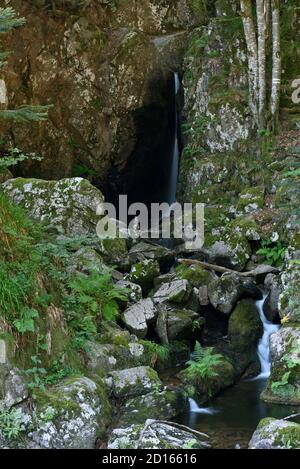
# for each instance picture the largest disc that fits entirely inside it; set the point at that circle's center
(262, 269)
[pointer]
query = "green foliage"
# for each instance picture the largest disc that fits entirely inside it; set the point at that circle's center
(80, 170)
(11, 423)
(273, 253)
(14, 156)
(276, 385)
(26, 323)
(36, 375)
(158, 352)
(9, 20)
(203, 365)
(98, 297)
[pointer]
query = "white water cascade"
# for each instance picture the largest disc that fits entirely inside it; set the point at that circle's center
(264, 343)
(201, 410)
(171, 196)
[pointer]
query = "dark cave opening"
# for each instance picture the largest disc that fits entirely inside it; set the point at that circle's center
(147, 174)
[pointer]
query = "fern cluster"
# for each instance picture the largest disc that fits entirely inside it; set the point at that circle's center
(202, 366)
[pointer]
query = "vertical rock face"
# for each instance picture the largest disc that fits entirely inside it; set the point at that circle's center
(106, 68)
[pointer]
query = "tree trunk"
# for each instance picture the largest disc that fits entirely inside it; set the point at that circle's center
(251, 41)
(276, 71)
(261, 41)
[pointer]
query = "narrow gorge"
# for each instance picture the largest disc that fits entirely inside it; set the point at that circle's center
(144, 340)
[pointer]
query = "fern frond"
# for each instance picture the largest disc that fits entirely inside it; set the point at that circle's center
(9, 20)
(199, 352)
(26, 113)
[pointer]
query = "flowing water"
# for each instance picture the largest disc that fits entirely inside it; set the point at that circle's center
(235, 414)
(172, 189)
(264, 343)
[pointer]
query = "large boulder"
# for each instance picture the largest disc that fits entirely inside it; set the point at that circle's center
(144, 250)
(276, 434)
(284, 383)
(222, 376)
(137, 317)
(143, 273)
(164, 405)
(68, 205)
(224, 292)
(182, 324)
(70, 416)
(103, 358)
(245, 327)
(156, 435)
(177, 291)
(134, 381)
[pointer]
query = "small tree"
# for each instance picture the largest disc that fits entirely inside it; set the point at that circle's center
(10, 20)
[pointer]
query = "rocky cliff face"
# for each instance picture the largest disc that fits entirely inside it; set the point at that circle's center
(106, 67)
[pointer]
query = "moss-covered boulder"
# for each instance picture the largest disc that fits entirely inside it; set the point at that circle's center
(183, 324)
(276, 434)
(134, 381)
(176, 291)
(143, 273)
(70, 416)
(224, 292)
(245, 327)
(164, 405)
(144, 250)
(284, 383)
(289, 300)
(103, 358)
(154, 434)
(221, 377)
(68, 205)
(251, 199)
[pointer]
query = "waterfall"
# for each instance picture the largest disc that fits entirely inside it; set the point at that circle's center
(171, 196)
(201, 410)
(264, 343)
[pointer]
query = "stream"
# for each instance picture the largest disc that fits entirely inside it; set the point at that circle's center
(232, 417)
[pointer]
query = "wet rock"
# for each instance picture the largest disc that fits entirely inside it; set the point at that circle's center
(289, 300)
(276, 434)
(70, 415)
(68, 205)
(143, 273)
(270, 307)
(245, 327)
(156, 435)
(134, 381)
(223, 376)
(137, 317)
(177, 291)
(156, 405)
(284, 383)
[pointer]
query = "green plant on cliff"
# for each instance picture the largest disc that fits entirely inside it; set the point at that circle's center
(14, 156)
(9, 20)
(202, 367)
(273, 252)
(11, 423)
